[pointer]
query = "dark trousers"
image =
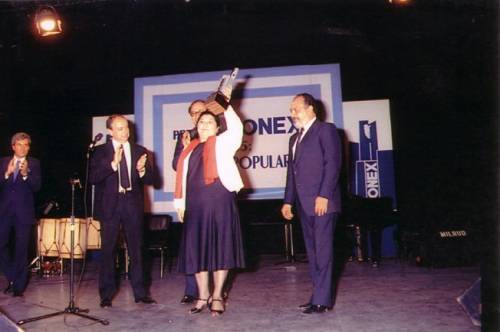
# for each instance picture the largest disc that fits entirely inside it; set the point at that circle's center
(191, 286)
(318, 240)
(15, 265)
(131, 221)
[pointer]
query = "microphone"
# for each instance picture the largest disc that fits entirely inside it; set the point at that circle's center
(50, 205)
(97, 138)
(75, 181)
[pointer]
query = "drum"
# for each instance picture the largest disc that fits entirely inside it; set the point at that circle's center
(65, 238)
(93, 235)
(48, 237)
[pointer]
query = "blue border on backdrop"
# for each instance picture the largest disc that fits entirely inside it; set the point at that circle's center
(286, 90)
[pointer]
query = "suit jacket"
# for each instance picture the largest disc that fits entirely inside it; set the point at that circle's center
(105, 179)
(316, 169)
(179, 146)
(18, 196)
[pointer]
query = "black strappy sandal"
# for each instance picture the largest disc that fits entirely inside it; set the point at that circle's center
(197, 310)
(214, 311)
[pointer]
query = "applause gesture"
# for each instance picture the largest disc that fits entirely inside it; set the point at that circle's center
(186, 139)
(141, 163)
(10, 167)
(117, 157)
(23, 167)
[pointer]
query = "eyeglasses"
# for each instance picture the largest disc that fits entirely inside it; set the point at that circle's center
(195, 113)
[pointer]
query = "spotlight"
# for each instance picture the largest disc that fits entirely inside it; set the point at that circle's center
(399, 2)
(47, 21)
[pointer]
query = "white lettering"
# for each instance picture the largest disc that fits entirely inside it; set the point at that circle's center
(372, 185)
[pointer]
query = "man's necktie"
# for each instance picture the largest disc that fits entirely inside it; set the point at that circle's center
(297, 145)
(16, 169)
(124, 179)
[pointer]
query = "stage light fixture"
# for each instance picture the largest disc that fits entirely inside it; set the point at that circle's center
(47, 21)
(399, 2)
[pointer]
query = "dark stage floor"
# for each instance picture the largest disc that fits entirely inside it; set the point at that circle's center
(394, 297)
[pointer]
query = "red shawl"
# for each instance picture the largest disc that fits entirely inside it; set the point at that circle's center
(209, 163)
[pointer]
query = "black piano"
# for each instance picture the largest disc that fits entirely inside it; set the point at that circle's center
(364, 220)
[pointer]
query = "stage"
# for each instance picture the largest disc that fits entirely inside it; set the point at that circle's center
(397, 296)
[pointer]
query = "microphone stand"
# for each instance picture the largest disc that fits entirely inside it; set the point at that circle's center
(289, 247)
(71, 308)
(91, 148)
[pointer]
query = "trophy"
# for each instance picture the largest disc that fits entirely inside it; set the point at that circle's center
(218, 101)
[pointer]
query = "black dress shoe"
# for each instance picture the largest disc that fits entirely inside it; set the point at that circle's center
(321, 308)
(146, 300)
(305, 305)
(105, 303)
(187, 299)
(316, 308)
(9, 289)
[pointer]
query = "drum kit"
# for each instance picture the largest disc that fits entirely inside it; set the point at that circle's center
(54, 241)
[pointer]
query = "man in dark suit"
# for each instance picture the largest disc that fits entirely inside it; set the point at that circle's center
(312, 185)
(21, 180)
(119, 169)
(194, 110)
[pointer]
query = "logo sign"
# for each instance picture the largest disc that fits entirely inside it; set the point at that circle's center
(372, 187)
(368, 128)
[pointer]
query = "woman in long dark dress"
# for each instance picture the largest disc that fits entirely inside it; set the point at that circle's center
(205, 199)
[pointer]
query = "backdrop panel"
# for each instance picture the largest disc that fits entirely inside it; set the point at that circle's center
(367, 125)
(262, 98)
(368, 129)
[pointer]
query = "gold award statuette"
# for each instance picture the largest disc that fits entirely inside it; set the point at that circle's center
(218, 101)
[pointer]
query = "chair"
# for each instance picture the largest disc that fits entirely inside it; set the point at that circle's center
(156, 236)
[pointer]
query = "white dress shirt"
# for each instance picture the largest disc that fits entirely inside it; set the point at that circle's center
(306, 128)
(128, 158)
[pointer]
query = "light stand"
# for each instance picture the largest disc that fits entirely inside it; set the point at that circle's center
(71, 309)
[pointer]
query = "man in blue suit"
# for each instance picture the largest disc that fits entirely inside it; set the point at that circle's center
(195, 109)
(312, 186)
(21, 179)
(119, 169)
